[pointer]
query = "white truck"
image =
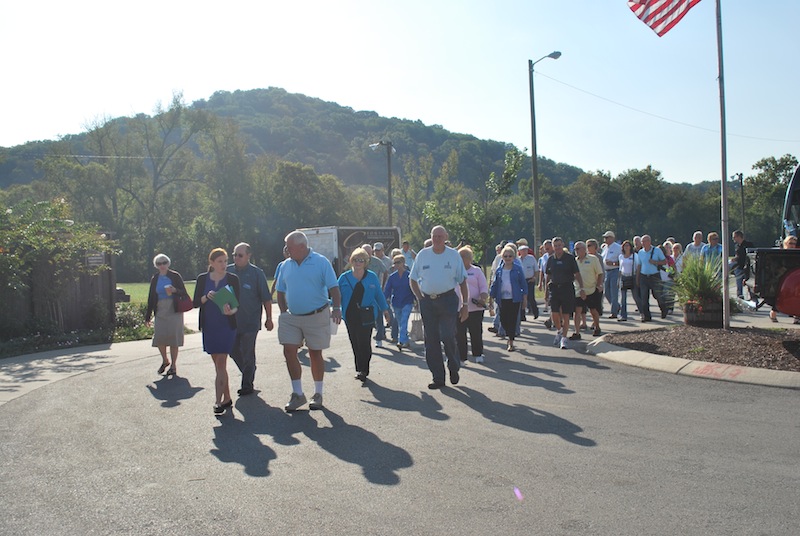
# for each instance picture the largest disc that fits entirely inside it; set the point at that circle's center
(337, 243)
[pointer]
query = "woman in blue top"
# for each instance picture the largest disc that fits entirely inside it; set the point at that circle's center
(511, 290)
(361, 288)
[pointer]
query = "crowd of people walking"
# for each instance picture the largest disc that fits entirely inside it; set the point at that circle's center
(451, 293)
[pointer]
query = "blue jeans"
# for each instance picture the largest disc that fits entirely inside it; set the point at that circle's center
(439, 319)
(401, 315)
(623, 308)
(611, 289)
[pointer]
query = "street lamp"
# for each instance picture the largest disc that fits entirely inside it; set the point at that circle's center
(741, 189)
(389, 151)
(537, 209)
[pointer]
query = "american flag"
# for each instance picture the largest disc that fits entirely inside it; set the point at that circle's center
(661, 15)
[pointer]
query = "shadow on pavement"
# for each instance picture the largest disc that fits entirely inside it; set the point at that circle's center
(57, 363)
(425, 404)
(520, 417)
(171, 390)
(378, 459)
(520, 373)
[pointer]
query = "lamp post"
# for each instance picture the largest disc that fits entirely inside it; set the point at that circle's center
(389, 151)
(537, 209)
(741, 189)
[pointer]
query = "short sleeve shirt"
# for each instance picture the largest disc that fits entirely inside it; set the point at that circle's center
(561, 270)
(436, 273)
(589, 268)
(253, 292)
(611, 253)
(529, 266)
(306, 284)
(643, 260)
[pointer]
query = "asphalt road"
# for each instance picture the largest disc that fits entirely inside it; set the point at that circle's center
(544, 441)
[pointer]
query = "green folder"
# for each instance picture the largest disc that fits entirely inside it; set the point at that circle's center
(223, 296)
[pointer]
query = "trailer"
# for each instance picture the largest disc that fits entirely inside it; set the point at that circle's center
(337, 243)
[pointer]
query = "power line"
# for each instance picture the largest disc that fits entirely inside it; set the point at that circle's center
(660, 116)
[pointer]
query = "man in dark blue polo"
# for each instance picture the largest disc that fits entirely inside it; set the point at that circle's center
(254, 294)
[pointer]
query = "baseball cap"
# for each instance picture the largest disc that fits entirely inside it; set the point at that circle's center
(377, 246)
(609, 233)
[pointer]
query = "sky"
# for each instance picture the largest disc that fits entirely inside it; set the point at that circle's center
(618, 98)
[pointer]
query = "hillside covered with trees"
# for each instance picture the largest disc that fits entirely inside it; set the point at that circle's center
(253, 165)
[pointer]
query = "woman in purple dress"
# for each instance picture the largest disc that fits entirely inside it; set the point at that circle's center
(218, 325)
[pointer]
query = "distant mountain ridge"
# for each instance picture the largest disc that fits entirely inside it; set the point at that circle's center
(331, 138)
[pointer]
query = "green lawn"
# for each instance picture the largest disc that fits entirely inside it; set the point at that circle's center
(138, 291)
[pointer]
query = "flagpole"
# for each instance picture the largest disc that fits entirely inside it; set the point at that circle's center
(726, 304)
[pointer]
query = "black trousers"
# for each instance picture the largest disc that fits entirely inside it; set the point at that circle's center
(361, 342)
(473, 324)
(509, 310)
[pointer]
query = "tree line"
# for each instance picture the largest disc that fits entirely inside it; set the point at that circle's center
(190, 178)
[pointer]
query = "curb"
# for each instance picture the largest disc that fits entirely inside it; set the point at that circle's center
(696, 369)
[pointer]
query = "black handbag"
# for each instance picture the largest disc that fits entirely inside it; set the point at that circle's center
(366, 315)
(628, 282)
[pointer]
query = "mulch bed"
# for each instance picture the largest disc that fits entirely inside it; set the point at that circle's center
(777, 349)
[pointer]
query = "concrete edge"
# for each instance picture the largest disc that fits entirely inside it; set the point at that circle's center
(696, 369)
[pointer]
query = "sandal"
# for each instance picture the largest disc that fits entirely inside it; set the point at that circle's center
(163, 367)
(172, 372)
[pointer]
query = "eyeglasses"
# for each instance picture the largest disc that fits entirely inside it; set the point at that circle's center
(162, 263)
(358, 261)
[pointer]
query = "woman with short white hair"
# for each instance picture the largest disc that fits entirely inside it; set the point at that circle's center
(166, 286)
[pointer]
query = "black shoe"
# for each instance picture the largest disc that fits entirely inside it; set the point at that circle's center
(454, 377)
(219, 409)
(596, 331)
(435, 385)
(575, 337)
(548, 323)
(647, 319)
(492, 329)
(361, 377)
(163, 367)
(612, 316)
(663, 314)
(244, 391)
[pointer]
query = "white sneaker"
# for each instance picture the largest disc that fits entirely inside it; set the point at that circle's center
(316, 401)
(295, 402)
(378, 344)
(479, 359)
(557, 340)
(563, 343)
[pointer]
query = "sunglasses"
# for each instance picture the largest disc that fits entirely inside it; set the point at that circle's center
(359, 261)
(162, 263)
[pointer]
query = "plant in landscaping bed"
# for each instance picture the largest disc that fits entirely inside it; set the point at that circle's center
(699, 284)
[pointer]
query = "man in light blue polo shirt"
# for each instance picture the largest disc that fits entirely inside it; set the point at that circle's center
(648, 259)
(437, 271)
(306, 280)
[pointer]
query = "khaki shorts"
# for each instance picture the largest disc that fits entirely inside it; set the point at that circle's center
(314, 329)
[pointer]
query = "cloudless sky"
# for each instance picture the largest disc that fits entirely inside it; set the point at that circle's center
(619, 97)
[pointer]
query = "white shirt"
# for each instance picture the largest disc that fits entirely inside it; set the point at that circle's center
(611, 252)
(437, 273)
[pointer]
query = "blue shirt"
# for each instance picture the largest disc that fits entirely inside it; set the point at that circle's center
(306, 285)
(372, 291)
(398, 288)
(711, 253)
(163, 281)
(253, 292)
(437, 273)
(643, 260)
